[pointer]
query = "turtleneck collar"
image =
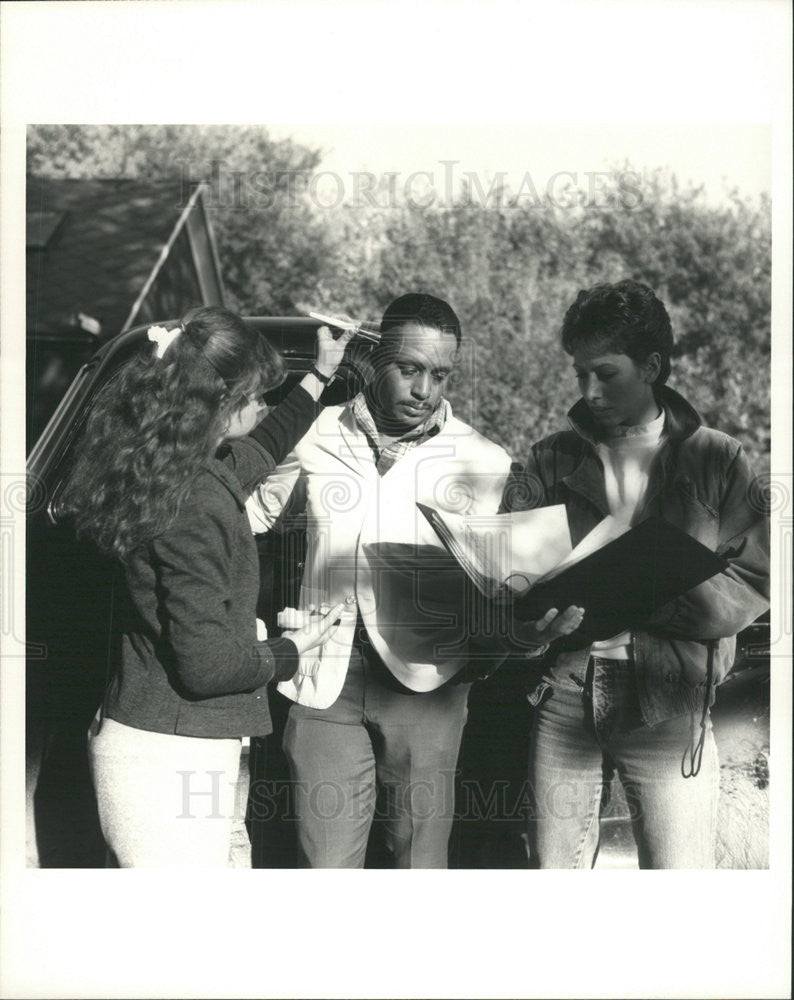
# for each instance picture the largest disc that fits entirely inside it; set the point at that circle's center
(652, 429)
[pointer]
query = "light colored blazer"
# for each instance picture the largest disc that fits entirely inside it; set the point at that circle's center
(366, 537)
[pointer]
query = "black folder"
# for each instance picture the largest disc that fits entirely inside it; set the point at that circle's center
(619, 585)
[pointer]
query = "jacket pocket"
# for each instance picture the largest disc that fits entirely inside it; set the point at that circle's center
(687, 664)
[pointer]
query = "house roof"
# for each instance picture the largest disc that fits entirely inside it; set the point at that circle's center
(92, 245)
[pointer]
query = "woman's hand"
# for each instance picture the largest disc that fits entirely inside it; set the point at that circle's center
(329, 351)
(553, 625)
(312, 628)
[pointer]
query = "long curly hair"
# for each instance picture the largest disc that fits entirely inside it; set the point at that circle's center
(153, 426)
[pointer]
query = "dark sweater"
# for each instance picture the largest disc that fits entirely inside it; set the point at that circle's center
(190, 661)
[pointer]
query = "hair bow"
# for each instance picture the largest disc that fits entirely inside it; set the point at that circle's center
(163, 338)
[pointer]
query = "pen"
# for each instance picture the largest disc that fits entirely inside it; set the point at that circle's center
(345, 324)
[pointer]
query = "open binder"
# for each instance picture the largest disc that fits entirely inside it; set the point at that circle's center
(620, 575)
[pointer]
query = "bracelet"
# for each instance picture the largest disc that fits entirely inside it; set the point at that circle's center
(533, 650)
(325, 379)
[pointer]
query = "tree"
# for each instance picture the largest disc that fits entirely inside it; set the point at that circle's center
(510, 267)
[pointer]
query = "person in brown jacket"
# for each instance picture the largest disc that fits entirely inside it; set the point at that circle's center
(638, 702)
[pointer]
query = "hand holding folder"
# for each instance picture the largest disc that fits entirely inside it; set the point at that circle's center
(618, 574)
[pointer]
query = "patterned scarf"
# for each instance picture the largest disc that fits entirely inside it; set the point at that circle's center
(386, 457)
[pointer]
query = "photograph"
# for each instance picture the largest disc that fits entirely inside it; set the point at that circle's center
(406, 486)
(591, 342)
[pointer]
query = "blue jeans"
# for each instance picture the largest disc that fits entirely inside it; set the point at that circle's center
(586, 726)
(378, 743)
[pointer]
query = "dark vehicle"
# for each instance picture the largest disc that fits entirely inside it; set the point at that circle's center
(71, 646)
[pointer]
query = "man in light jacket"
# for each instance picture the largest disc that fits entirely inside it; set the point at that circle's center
(382, 712)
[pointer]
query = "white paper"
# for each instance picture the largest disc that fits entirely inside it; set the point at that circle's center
(604, 532)
(516, 548)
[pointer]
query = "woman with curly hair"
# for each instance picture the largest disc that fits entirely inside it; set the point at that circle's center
(160, 483)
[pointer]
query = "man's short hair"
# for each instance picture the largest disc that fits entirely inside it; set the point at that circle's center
(426, 310)
(621, 318)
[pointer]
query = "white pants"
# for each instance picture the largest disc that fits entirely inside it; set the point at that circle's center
(167, 801)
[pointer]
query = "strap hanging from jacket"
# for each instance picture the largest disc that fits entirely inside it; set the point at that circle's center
(691, 768)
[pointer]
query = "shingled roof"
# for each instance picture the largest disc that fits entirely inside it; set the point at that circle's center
(94, 246)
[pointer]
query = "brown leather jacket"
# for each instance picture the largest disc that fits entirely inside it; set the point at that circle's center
(702, 483)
